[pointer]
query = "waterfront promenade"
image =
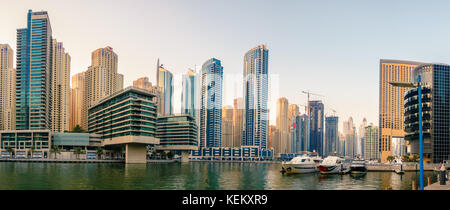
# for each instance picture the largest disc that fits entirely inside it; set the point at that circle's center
(437, 186)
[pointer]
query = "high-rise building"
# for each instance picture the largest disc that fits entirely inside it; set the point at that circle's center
(391, 101)
(316, 110)
(60, 88)
(227, 126)
(350, 143)
(272, 136)
(238, 121)
(33, 83)
(165, 90)
(211, 104)
(101, 79)
(189, 96)
(372, 141)
(331, 135)
(304, 133)
(7, 89)
(435, 112)
(341, 147)
(293, 112)
(361, 137)
(283, 146)
(256, 62)
(143, 83)
(77, 100)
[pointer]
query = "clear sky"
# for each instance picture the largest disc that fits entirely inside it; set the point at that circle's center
(328, 47)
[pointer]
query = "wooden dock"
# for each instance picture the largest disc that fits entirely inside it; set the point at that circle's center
(437, 186)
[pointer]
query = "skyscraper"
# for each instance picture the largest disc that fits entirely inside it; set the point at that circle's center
(256, 62)
(189, 94)
(60, 88)
(371, 148)
(33, 84)
(238, 123)
(143, 83)
(283, 146)
(435, 112)
(350, 137)
(331, 135)
(165, 90)
(101, 79)
(227, 126)
(316, 110)
(7, 89)
(211, 104)
(77, 100)
(391, 101)
(361, 137)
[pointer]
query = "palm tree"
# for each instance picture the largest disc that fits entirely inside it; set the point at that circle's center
(32, 149)
(77, 152)
(10, 150)
(99, 152)
(78, 129)
(405, 158)
(55, 150)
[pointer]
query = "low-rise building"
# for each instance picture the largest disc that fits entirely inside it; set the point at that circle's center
(25, 143)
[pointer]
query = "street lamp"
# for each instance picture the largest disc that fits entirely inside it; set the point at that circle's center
(419, 96)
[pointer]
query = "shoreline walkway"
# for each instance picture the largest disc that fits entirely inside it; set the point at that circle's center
(437, 186)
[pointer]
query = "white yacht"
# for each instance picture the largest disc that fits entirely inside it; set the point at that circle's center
(301, 164)
(331, 165)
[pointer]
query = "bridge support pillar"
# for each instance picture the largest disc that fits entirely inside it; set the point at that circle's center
(135, 153)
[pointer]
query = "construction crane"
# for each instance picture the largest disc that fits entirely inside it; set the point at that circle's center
(308, 93)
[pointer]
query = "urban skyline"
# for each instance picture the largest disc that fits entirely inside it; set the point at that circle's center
(364, 68)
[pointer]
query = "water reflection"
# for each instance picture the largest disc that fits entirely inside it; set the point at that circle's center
(193, 176)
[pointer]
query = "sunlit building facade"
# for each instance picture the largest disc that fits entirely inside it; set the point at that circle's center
(7, 89)
(165, 90)
(77, 100)
(391, 109)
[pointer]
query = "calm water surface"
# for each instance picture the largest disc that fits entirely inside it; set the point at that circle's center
(195, 176)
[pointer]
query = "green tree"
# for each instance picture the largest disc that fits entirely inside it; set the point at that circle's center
(390, 158)
(405, 158)
(10, 150)
(78, 129)
(169, 155)
(99, 152)
(55, 150)
(415, 158)
(77, 151)
(32, 149)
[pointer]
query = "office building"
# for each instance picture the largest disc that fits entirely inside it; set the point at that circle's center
(391, 101)
(126, 118)
(189, 96)
(435, 112)
(77, 101)
(25, 143)
(372, 143)
(143, 83)
(316, 112)
(33, 83)
(165, 89)
(7, 89)
(283, 144)
(227, 126)
(361, 138)
(211, 104)
(238, 121)
(331, 135)
(256, 62)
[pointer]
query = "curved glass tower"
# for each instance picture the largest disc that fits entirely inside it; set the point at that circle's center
(256, 82)
(211, 104)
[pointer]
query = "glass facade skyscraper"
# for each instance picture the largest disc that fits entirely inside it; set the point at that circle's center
(256, 80)
(33, 73)
(331, 135)
(165, 87)
(435, 112)
(211, 104)
(189, 94)
(316, 110)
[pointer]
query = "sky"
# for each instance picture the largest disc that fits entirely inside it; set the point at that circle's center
(331, 48)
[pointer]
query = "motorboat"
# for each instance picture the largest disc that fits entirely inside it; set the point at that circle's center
(301, 164)
(331, 165)
(358, 167)
(399, 170)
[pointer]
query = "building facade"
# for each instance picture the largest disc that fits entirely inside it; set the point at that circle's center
(165, 90)
(189, 96)
(33, 84)
(435, 112)
(256, 62)
(238, 121)
(316, 114)
(391, 107)
(60, 88)
(143, 83)
(283, 145)
(331, 135)
(7, 89)
(372, 143)
(77, 100)
(227, 126)
(211, 104)
(177, 133)
(25, 143)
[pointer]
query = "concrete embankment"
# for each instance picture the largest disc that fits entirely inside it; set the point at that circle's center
(61, 161)
(405, 167)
